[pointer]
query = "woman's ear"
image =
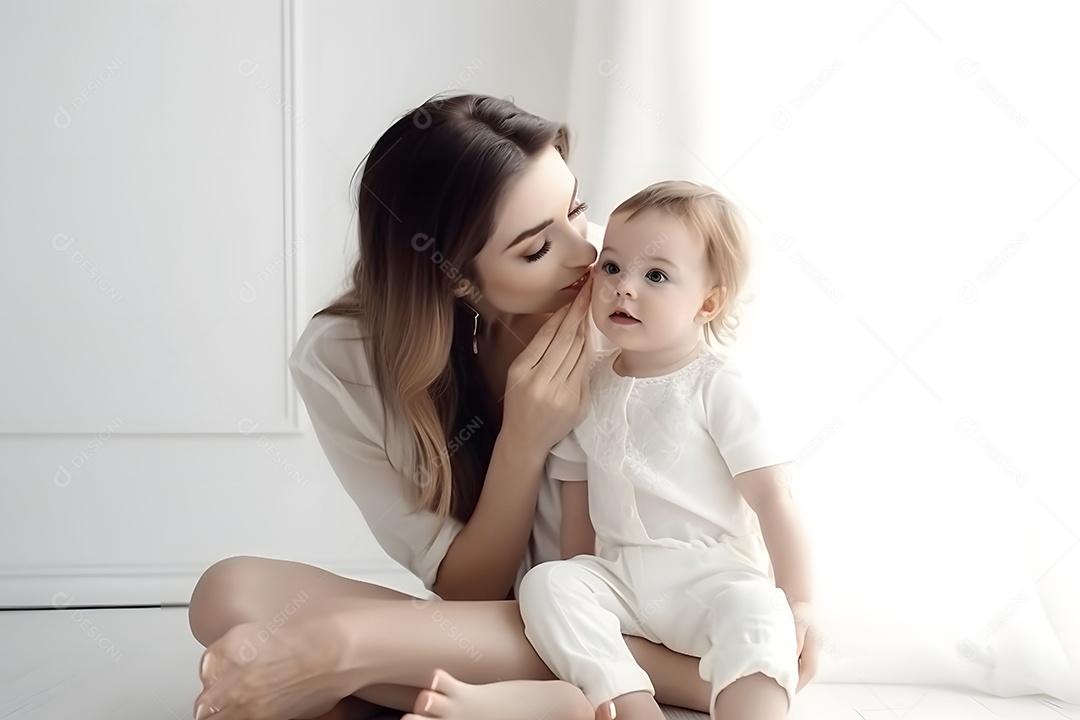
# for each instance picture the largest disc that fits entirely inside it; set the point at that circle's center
(465, 289)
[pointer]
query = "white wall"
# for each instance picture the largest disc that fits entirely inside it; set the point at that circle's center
(173, 202)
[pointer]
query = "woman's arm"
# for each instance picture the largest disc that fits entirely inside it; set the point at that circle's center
(484, 558)
(545, 389)
(577, 536)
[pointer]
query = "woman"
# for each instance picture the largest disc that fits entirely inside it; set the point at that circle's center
(436, 385)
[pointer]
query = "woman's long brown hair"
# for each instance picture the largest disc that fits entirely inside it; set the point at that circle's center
(427, 198)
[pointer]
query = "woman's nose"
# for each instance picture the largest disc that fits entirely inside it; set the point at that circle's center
(585, 254)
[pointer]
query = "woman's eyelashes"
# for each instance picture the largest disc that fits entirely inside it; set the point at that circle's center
(539, 253)
(582, 207)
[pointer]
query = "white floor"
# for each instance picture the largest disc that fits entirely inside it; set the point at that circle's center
(139, 664)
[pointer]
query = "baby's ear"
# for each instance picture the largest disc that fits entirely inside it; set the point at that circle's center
(713, 303)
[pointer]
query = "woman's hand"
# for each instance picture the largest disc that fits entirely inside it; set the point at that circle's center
(547, 384)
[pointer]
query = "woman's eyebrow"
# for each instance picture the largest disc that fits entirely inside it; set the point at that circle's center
(529, 233)
(534, 230)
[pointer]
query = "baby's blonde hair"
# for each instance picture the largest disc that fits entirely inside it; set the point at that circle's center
(714, 219)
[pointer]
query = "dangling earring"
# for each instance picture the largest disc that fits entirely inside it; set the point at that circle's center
(475, 325)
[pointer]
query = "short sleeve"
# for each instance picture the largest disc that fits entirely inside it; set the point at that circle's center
(567, 460)
(739, 426)
(330, 369)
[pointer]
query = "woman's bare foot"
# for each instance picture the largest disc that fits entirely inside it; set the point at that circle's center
(451, 699)
(249, 672)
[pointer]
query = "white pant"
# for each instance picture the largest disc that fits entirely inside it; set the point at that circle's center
(696, 601)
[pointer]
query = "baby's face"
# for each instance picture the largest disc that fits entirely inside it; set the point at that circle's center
(650, 281)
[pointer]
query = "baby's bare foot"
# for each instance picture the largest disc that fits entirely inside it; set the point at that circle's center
(451, 699)
(638, 705)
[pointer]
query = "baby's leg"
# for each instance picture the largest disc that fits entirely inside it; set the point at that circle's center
(751, 660)
(752, 697)
(737, 621)
(574, 613)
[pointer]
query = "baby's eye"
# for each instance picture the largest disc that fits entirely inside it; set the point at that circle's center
(656, 276)
(611, 268)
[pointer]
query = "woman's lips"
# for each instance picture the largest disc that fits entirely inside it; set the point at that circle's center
(577, 284)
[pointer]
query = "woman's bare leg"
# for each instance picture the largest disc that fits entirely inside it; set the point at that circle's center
(674, 675)
(246, 589)
(480, 642)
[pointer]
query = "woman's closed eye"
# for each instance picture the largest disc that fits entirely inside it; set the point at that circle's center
(582, 207)
(539, 253)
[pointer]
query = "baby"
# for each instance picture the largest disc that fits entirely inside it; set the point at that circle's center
(700, 545)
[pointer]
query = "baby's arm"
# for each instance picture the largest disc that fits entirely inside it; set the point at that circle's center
(766, 492)
(577, 536)
(759, 463)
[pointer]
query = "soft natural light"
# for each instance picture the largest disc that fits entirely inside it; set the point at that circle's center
(175, 203)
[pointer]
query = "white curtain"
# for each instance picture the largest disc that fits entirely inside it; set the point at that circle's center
(910, 180)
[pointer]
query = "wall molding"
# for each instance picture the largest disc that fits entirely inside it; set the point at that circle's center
(290, 235)
(58, 587)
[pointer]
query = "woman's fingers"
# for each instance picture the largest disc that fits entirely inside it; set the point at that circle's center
(558, 328)
(535, 349)
(569, 332)
(569, 359)
(579, 373)
(580, 306)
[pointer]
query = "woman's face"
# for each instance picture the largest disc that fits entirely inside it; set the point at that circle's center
(538, 250)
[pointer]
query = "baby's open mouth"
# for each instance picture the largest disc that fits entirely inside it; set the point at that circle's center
(623, 318)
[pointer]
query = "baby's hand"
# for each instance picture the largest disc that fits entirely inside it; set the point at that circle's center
(808, 641)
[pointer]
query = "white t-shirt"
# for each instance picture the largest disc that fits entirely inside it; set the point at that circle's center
(661, 453)
(332, 373)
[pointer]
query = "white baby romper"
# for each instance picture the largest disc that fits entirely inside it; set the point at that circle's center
(681, 559)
